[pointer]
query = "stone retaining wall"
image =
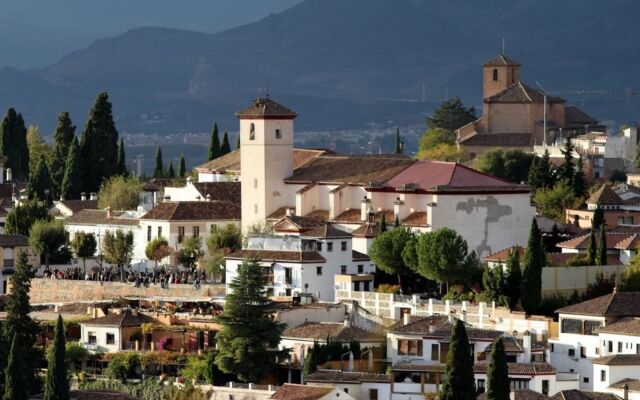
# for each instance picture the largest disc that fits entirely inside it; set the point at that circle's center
(69, 291)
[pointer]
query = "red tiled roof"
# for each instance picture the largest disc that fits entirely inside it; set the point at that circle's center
(126, 318)
(295, 223)
(332, 330)
(291, 391)
(521, 93)
(366, 230)
(99, 217)
(623, 326)
(351, 216)
(618, 359)
(357, 256)
(501, 61)
(266, 108)
(77, 205)
(630, 243)
(230, 162)
(326, 230)
(337, 376)
(535, 368)
(194, 211)
(284, 256)
(616, 304)
(418, 218)
(582, 242)
(9, 240)
(220, 191)
(575, 394)
(605, 196)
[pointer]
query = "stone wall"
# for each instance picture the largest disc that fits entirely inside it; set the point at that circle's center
(69, 291)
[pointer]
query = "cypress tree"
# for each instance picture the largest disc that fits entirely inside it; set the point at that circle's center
(225, 147)
(579, 183)
(99, 144)
(158, 172)
(214, 143)
(591, 247)
(15, 384)
(458, 382)
(540, 175)
(398, 142)
(514, 277)
(382, 224)
(182, 168)
(13, 145)
(567, 169)
(170, 171)
(534, 260)
(598, 218)
(40, 184)
(601, 254)
(121, 168)
(63, 136)
(72, 181)
(56, 386)
(498, 385)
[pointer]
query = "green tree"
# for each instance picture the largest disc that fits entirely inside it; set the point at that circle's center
(47, 237)
(444, 152)
(382, 224)
(99, 144)
(534, 261)
(451, 115)
(72, 180)
(618, 176)
(442, 256)
(225, 147)
(158, 171)
(84, 245)
(121, 168)
(579, 180)
(513, 165)
(498, 384)
(16, 384)
(214, 143)
(38, 148)
(120, 193)
(601, 253)
(494, 281)
(39, 187)
(567, 169)
(56, 386)
(552, 202)
(514, 277)
(63, 138)
(312, 360)
(248, 334)
(212, 371)
(23, 216)
(13, 145)
(221, 242)
(398, 142)
(189, 252)
(117, 248)
(157, 249)
(182, 168)
(598, 218)
(630, 277)
(387, 249)
(591, 247)
(459, 383)
(436, 136)
(540, 172)
(171, 173)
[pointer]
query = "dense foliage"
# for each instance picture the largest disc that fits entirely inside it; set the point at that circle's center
(120, 193)
(459, 383)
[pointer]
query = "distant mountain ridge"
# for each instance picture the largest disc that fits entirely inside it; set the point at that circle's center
(343, 63)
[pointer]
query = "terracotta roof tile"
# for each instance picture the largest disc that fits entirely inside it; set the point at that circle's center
(632, 384)
(266, 108)
(575, 394)
(618, 359)
(7, 240)
(417, 218)
(337, 376)
(280, 213)
(513, 345)
(501, 61)
(439, 326)
(605, 196)
(291, 391)
(366, 230)
(520, 394)
(99, 217)
(582, 242)
(230, 163)
(194, 211)
(351, 216)
(573, 116)
(326, 230)
(220, 191)
(629, 243)
(333, 330)
(126, 318)
(296, 223)
(513, 139)
(318, 215)
(277, 255)
(521, 93)
(77, 205)
(623, 326)
(518, 368)
(616, 304)
(357, 256)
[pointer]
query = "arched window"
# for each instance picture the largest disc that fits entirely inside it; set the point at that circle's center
(495, 74)
(252, 132)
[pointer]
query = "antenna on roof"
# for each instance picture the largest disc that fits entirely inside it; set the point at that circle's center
(502, 45)
(267, 90)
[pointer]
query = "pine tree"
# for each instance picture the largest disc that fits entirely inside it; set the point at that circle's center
(591, 247)
(598, 218)
(99, 144)
(514, 277)
(534, 260)
(182, 168)
(214, 143)
(40, 184)
(248, 332)
(567, 169)
(72, 181)
(56, 386)
(398, 142)
(13, 145)
(382, 224)
(171, 173)
(540, 173)
(601, 254)
(121, 168)
(498, 385)
(15, 384)
(459, 383)
(225, 147)
(579, 183)
(158, 172)
(63, 137)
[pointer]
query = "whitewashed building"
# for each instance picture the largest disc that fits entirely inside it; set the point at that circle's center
(114, 332)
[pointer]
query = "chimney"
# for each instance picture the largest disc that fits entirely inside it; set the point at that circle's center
(93, 196)
(625, 389)
(512, 395)
(526, 346)
(364, 208)
(208, 197)
(287, 212)
(396, 207)
(406, 318)
(83, 196)
(346, 323)
(61, 198)
(109, 214)
(9, 175)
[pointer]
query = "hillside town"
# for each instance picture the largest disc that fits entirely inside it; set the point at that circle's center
(499, 262)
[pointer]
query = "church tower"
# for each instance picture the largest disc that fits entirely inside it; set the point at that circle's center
(498, 74)
(266, 159)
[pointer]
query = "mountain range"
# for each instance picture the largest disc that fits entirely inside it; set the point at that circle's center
(343, 64)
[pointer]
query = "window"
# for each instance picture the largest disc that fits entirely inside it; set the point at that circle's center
(571, 326)
(346, 390)
(252, 132)
(619, 347)
(180, 234)
(196, 231)
(638, 348)
(319, 271)
(111, 338)
(373, 394)
(597, 350)
(278, 134)
(91, 337)
(583, 352)
(159, 231)
(585, 380)
(519, 384)
(603, 376)
(343, 270)
(435, 352)
(480, 386)
(410, 347)
(571, 353)
(545, 387)
(319, 246)
(148, 233)
(495, 74)
(610, 347)
(329, 246)
(551, 347)
(361, 269)
(343, 246)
